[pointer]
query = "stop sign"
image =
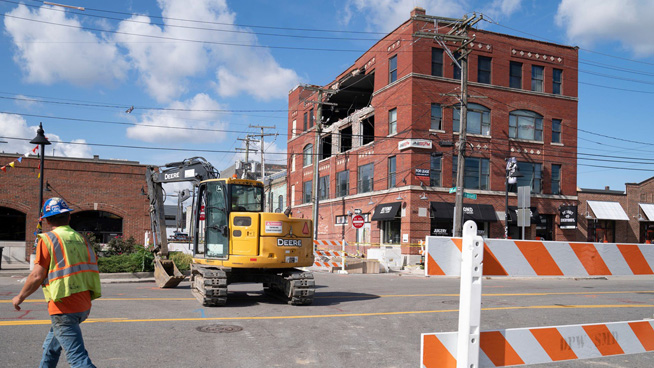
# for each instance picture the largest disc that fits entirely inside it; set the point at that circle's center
(357, 221)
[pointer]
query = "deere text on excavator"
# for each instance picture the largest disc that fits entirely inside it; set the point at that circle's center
(232, 239)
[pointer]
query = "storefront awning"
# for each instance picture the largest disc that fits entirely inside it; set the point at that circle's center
(513, 217)
(386, 211)
(648, 208)
(608, 210)
(477, 212)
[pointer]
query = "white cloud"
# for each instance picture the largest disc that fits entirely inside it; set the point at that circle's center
(50, 53)
(15, 126)
(166, 65)
(502, 8)
(627, 21)
(197, 119)
(386, 15)
(273, 154)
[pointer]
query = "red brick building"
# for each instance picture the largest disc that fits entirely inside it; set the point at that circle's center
(611, 216)
(105, 195)
(389, 144)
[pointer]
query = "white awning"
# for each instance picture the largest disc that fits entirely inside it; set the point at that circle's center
(648, 208)
(608, 210)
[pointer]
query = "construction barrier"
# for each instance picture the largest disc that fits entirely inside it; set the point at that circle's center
(543, 258)
(329, 253)
(523, 346)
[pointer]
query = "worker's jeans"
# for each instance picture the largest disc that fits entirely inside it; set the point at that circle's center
(65, 333)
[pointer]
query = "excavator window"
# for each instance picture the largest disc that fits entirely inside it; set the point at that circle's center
(246, 198)
(216, 239)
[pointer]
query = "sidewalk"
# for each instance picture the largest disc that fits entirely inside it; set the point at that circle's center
(21, 271)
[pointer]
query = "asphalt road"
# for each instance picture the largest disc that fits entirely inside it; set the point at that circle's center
(355, 321)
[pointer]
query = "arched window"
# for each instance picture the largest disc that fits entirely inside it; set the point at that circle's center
(525, 124)
(478, 119)
(307, 154)
(12, 224)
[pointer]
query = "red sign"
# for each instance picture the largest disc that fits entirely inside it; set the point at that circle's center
(358, 221)
(305, 229)
(202, 213)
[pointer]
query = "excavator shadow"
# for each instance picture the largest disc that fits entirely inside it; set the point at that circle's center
(249, 298)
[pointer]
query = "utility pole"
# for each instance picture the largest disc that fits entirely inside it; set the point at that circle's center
(247, 149)
(263, 170)
(457, 33)
(317, 149)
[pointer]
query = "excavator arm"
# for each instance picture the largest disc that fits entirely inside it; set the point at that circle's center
(194, 170)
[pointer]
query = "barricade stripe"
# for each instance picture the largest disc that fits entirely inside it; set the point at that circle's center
(603, 339)
(539, 258)
(435, 354)
(565, 258)
(459, 243)
(645, 334)
(589, 256)
(554, 344)
(527, 346)
(635, 259)
(492, 265)
(626, 337)
(497, 349)
(614, 259)
(579, 341)
(432, 267)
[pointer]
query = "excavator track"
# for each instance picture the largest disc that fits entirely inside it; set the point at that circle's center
(296, 287)
(209, 286)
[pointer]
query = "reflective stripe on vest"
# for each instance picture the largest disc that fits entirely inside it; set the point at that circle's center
(62, 268)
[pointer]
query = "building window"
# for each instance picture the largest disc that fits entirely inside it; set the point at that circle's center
(365, 178)
(515, 75)
(436, 117)
(531, 177)
(306, 121)
(557, 75)
(324, 187)
(342, 183)
(476, 173)
(436, 62)
(556, 179)
(478, 119)
(326, 146)
(391, 230)
(484, 69)
(307, 154)
(341, 220)
(292, 162)
(525, 124)
(392, 69)
(311, 118)
(457, 70)
(435, 171)
(294, 133)
(537, 76)
(346, 139)
(556, 130)
(391, 172)
(306, 191)
(292, 195)
(392, 121)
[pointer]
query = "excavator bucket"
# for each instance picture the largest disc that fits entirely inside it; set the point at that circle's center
(166, 273)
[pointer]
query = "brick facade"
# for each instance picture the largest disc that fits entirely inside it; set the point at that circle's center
(86, 184)
(412, 94)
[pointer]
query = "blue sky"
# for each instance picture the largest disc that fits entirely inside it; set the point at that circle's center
(221, 66)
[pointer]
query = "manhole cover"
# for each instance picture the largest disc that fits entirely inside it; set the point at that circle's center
(219, 328)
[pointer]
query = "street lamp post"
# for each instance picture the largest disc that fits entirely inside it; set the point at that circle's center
(511, 177)
(42, 141)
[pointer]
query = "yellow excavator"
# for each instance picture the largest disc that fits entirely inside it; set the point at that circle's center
(232, 239)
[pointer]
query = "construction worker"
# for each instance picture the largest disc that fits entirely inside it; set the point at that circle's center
(66, 267)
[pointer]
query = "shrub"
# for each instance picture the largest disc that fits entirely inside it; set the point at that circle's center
(182, 260)
(138, 261)
(119, 245)
(97, 247)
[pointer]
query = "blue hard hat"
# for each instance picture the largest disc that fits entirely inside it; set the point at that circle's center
(55, 206)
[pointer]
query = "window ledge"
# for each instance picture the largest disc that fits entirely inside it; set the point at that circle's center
(557, 144)
(526, 140)
(436, 131)
(475, 135)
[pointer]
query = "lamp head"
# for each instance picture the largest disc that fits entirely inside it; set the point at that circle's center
(40, 136)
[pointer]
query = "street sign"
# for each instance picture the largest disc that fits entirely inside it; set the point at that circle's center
(453, 189)
(358, 221)
(524, 217)
(524, 196)
(470, 195)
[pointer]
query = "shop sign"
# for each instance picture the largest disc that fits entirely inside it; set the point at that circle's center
(440, 232)
(422, 172)
(414, 143)
(568, 216)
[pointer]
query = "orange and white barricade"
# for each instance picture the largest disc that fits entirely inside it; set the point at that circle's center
(543, 258)
(523, 346)
(320, 254)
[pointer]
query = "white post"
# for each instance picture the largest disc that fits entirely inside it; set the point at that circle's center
(470, 297)
(343, 257)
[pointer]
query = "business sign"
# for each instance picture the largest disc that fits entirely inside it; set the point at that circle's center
(568, 215)
(422, 172)
(414, 143)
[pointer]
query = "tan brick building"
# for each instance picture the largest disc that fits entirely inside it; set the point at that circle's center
(105, 194)
(388, 149)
